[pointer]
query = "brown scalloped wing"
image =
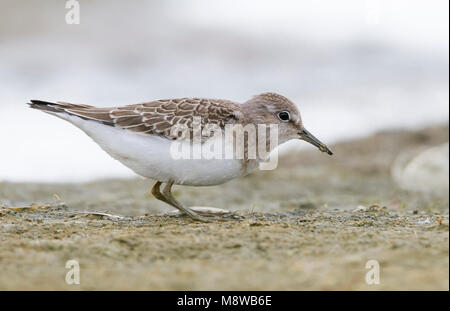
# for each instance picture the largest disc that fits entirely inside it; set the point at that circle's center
(159, 117)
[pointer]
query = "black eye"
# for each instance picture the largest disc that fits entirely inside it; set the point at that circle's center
(284, 116)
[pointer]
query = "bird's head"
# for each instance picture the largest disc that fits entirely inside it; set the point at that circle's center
(271, 108)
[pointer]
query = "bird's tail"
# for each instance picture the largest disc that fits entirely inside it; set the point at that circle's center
(66, 111)
(53, 107)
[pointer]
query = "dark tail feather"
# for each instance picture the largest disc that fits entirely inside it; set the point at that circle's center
(82, 111)
(46, 106)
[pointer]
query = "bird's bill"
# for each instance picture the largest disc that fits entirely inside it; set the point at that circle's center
(308, 137)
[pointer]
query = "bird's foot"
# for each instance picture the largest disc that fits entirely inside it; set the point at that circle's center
(209, 211)
(210, 214)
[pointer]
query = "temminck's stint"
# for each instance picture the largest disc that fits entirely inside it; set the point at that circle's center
(142, 137)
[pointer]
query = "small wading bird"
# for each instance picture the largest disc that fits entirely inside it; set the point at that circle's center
(140, 137)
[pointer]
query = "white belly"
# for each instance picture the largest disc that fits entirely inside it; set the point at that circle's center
(150, 156)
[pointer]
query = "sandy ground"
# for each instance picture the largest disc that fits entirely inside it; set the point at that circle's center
(312, 224)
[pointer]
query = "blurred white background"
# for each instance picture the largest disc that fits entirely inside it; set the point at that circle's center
(353, 67)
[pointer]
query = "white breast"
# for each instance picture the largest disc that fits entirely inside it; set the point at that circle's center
(150, 156)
